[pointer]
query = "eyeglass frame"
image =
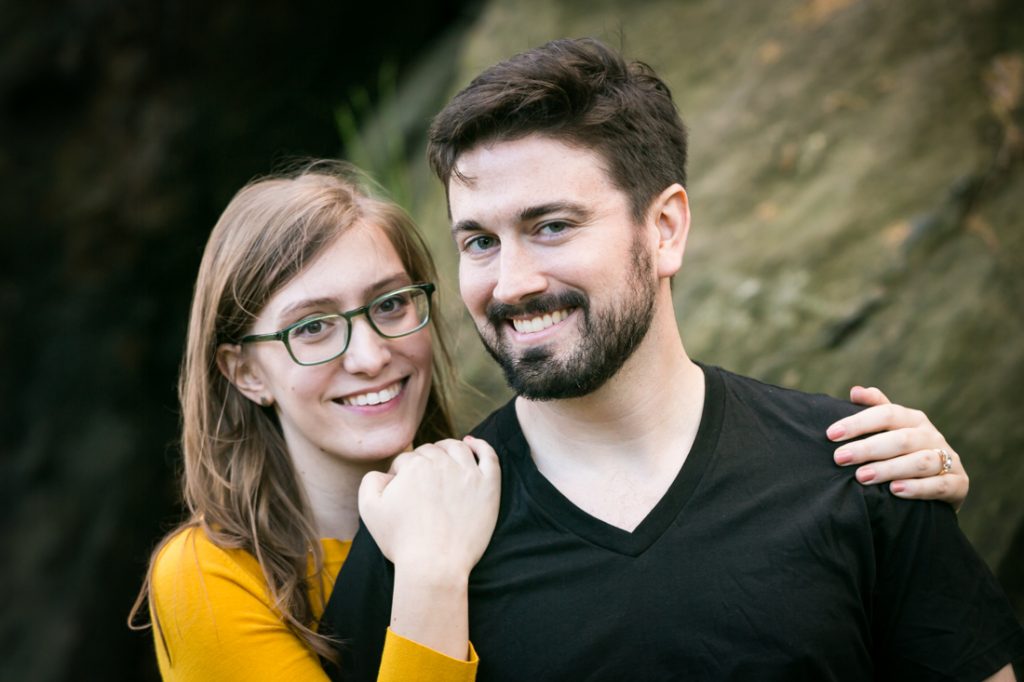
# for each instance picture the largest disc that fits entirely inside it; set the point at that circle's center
(427, 287)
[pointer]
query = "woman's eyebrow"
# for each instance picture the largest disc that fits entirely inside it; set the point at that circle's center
(395, 280)
(306, 303)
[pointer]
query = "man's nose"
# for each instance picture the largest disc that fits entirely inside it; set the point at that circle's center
(368, 352)
(520, 275)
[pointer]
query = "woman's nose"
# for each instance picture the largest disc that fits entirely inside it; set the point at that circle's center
(368, 352)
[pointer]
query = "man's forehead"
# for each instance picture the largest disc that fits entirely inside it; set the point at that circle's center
(524, 146)
(514, 175)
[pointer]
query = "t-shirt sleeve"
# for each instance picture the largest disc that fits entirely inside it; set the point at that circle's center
(407, 661)
(938, 612)
(212, 619)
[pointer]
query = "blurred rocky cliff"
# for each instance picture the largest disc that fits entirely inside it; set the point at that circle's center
(857, 187)
(856, 183)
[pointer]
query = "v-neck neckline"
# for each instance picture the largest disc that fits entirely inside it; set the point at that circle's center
(562, 512)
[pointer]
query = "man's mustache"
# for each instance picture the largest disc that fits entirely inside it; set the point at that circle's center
(545, 303)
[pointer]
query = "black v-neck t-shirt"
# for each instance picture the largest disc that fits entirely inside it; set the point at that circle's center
(762, 561)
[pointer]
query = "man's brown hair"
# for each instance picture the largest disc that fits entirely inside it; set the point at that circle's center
(582, 93)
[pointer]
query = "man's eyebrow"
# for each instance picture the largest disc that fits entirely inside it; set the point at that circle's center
(534, 212)
(530, 213)
(466, 226)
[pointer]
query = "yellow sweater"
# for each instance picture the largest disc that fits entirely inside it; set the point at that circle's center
(213, 620)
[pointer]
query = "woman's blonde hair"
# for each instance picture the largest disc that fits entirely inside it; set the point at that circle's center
(239, 484)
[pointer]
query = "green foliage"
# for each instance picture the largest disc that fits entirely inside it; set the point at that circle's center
(375, 139)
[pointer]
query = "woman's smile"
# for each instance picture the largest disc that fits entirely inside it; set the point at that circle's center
(374, 397)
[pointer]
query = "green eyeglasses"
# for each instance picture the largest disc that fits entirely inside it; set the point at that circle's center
(320, 339)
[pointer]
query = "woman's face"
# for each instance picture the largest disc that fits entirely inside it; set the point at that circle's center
(318, 405)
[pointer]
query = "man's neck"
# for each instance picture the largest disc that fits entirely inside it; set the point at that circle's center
(615, 452)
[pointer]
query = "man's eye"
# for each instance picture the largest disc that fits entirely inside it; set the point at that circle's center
(554, 227)
(480, 243)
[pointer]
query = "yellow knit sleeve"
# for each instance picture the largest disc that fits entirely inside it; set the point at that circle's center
(213, 619)
(407, 661)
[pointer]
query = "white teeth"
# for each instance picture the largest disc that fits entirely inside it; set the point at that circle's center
(539, 323)
(374, 397)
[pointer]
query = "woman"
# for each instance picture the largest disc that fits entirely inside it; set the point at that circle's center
(278, 432)
(311, 362)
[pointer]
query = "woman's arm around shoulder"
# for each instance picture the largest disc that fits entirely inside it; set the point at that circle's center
(212, 619)
(433, 515)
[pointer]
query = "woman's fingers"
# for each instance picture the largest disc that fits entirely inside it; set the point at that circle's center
(469, 453)
(931, 474)
(867, 396)
(951, 488)
(459, 452)
(905, 448)
(371, 488)
(399, 462)
(888, 444)
(486, 457)
(921, 464)
(881, 417)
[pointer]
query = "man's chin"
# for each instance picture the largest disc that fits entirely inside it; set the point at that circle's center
(535, 358)
(535, 374)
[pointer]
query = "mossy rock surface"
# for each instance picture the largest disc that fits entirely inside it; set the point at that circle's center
(855, 181)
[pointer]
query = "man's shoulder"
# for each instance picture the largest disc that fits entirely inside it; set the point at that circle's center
(754, 416)
(780, 403)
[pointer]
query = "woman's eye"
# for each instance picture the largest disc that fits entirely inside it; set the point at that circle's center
(391, 305)
(310, 329)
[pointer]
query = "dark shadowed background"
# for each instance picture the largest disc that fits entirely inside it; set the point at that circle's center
(127, 126)
(856, 182)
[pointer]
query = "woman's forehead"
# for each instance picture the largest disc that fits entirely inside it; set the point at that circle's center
(360, 263)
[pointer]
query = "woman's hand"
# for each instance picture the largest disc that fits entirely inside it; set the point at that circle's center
(432, 515)
(437, 504)
(905, 449)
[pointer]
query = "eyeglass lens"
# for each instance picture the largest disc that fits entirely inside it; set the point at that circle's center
(391, 315)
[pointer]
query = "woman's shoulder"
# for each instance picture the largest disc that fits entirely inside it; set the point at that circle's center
(190, 567)
(214, 618)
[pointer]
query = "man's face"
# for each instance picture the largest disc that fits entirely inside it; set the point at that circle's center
(555, 272)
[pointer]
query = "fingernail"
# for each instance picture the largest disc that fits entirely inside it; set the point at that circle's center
(898, 487)
(835, 432)
(843, 456)
(866, 475)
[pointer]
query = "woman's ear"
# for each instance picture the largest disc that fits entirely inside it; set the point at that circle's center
(670, 212)
(243, 373)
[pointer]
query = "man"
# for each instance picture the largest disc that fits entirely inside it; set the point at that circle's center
(660, 519)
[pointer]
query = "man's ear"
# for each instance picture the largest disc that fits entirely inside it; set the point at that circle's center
(242, 373)
(670, 215)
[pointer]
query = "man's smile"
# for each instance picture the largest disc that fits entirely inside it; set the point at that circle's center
(531, 325)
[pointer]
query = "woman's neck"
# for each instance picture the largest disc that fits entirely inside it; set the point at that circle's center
(331, 485)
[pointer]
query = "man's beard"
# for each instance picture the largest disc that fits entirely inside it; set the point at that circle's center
(607, 338)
